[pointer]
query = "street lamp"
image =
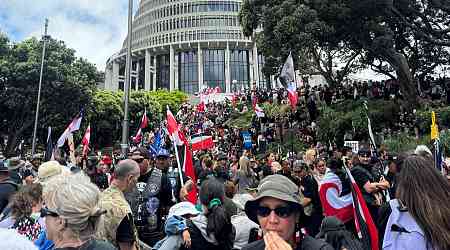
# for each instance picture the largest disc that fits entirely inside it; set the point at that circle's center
(33, 144)
(124, 144)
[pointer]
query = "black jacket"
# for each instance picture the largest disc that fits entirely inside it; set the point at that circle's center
(307, 243)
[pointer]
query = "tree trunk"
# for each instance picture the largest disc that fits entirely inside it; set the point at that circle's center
(11, 145)
(404, 76)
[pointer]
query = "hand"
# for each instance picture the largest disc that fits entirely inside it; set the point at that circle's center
(187, 239)
(275, 242)
(183, 194)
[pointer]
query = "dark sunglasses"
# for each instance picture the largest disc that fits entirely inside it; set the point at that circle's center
(140, 160)
(282, 212)
(45, 211)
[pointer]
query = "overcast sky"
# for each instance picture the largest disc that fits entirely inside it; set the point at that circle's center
(94, 28)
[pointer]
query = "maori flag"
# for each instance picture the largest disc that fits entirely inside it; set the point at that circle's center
(144, 122)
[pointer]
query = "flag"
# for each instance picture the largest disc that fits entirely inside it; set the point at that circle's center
(254, 100)
(201, 105)
(287, 72)
(292, 94)
(365, 227)
(259, 111)
(434, 127)
(156, 145)
(144, 123)
(333, 202)
(73, 126)
(49, 149)
(86, 140)
(201, 142)
(188, 167)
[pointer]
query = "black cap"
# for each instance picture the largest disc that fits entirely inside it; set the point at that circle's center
(330, 224)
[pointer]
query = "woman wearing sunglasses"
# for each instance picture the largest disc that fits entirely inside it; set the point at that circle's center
(72, 213)
(277, 209)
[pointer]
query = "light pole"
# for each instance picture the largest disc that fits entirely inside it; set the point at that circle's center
(124, 144)
(33, 144)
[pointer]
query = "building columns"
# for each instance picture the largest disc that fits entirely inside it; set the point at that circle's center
(227, 70)
(147, 70)
(115, 78)
(137, 75)
(154, 73)
(255, 66)
(200, 68)
(172, 68)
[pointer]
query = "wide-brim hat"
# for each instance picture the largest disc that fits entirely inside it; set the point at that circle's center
(278, 187)
(15, 163)
(48, 170)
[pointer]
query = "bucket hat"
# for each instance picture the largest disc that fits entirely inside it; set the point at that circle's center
(15, 163)
(48, 170)
(278, 187)
(183, 208)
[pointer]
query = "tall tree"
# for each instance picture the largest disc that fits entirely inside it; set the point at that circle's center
(393, 36)
(68, 85)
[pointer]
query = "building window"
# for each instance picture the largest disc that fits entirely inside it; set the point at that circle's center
(162, 69)
(239, 68)
(214, 68)
(121, 85)
(188, 71)
(141, 73)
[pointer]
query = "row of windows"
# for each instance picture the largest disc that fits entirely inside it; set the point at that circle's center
(188, 71)
(188, 36)
(183, 8)
(186, 22)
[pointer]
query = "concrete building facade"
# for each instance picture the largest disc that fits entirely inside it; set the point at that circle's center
(187, 45)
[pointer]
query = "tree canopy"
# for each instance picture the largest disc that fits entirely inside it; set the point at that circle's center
(406, 37)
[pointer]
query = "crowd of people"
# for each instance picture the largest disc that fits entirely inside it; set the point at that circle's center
(249, 194)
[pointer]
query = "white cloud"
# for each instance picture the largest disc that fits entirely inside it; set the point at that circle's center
(94, 28)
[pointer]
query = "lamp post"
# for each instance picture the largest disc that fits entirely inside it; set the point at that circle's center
(33, 144)
(125, 125)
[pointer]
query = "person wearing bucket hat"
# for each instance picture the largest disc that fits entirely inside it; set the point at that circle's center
(15, 166)
(277, 208)
(7, 186)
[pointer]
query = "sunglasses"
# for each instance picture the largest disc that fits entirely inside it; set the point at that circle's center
(45, 211)
(282, 212)
(140, 160)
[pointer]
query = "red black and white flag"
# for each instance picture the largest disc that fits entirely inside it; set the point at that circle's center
(334, 203)
(86, 140)
(143, 124)
(365, 226)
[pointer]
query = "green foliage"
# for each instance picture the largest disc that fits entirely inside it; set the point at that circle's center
(273, 111)
(403, 142)
(173, 99)
(240, 120)
(68, 85)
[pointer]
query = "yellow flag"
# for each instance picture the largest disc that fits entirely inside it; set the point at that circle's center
(434, 127)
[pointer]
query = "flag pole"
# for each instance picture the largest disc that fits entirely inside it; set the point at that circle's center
(33, 145)
(180, 170)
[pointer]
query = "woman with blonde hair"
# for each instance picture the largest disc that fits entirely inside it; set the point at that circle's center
(72, 213)
(245, 176)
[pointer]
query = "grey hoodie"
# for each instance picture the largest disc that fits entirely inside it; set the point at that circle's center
(201, 222)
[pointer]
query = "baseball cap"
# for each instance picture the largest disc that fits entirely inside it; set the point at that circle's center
(162, 153)
(299, 165)
(275, 186)
(183, 208)
(140, 153)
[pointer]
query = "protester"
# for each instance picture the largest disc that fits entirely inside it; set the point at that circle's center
(24, 212)
(72, 213)
(117, 226)
(277, 209)
(418, 218)
(212, 229)
(7, 186)
(333, 231)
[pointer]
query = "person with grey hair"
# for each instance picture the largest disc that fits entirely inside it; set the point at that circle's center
(72, 213)
(117, 226)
